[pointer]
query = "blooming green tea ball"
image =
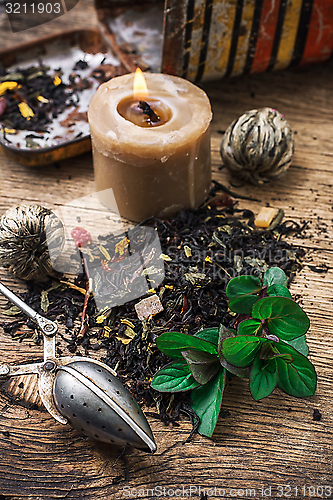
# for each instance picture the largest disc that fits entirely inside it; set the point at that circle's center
(258, 146)
(27, 234)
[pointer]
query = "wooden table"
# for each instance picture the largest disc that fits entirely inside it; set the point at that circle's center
(258, 447)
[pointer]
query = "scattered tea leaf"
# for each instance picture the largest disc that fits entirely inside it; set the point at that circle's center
(187, 251)
(12, 311)
(44, 301)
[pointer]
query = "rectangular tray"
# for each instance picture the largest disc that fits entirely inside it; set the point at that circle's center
(68, 135)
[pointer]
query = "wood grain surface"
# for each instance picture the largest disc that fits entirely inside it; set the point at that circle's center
(258, 448)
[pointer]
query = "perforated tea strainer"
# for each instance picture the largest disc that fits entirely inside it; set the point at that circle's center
(82, 392)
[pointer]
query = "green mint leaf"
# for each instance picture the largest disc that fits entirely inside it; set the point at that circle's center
(242, 293)
(268, 351)
(174, 377)
(203, 365)
(297, 378)
(263, 377)
(240, 351)
(209, 334)
(173, 343)
(275, 276)
(278, 291)
(234, 370)
(250, 327)
(284, 317)
(206, 402)
(244, 304)
(224, 333)
(243, 285)
(299, 345)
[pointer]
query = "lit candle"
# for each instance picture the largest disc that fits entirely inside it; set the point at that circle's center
(152, 149)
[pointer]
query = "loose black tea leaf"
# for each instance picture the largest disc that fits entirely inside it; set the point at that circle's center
(202, 251)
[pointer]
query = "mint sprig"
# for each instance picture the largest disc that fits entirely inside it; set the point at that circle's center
(268, 347)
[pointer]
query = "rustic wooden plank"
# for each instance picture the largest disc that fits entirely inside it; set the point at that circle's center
(274, 442)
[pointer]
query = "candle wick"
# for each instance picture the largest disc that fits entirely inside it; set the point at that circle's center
(147, 110)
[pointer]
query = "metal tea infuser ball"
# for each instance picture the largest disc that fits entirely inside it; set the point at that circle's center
(83, 392)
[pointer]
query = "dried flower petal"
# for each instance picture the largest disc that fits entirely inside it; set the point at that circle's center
(3, 105)
(42, 99)
(7, 86)
(121, 246)
(57, 80)
(26, 111)
(81, 236)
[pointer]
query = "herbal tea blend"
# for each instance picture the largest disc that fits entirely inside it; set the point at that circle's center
(202, 251)
(43, 103)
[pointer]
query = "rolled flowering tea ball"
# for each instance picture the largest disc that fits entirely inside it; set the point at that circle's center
(28, 233)
(258, 146)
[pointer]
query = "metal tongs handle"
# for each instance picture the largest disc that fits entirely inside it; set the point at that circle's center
(48, 327)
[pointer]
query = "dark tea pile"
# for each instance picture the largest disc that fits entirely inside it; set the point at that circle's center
(202, 251)
(32, 98)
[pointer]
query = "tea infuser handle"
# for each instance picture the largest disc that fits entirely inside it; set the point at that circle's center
(48, 327)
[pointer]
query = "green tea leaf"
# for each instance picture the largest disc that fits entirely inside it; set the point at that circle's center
(285, 318)
(263, 377)
(299, 345)
(207, 401)
(209, 334)
(250, 327)
(44, 301)
(275, 276)
(203, 365)
(173, 343)
(174, 377)
(242, 292)
(297, 378)
(278, 291)
(240, 351)
(12, 311)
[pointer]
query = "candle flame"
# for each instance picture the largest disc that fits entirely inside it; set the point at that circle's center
(140, 89)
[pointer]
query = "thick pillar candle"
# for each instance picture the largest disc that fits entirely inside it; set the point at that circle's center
(152, 150)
